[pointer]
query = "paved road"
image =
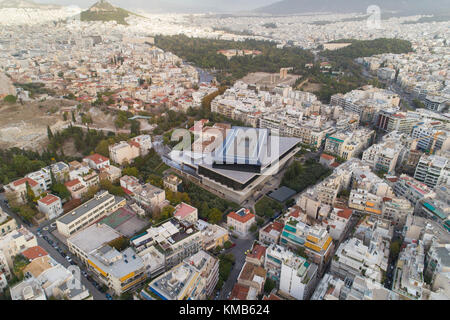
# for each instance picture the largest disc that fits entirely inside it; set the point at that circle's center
(52, 251)
(238, 251)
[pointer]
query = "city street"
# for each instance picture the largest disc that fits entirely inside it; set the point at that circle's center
(51, 250)
(238, 251)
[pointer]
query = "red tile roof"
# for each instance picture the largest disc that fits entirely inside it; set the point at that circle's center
(327, 156)
(243, 219)
(97, 158)
(334, 165)
(278, 226)
(345, 213)
(257, 252)
(30, 181)
(72, 183)
(239, 292)
(182, 210)
(34, 253)
(49, 199)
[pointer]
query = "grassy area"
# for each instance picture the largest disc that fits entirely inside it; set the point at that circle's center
(205, 201)
(267, 207)
(299, 177)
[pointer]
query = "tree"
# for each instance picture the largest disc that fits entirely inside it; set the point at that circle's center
(73, 116)
(166, 213)
(103, 148)
(49, 133)
(65, 115)
(395, 249)
(30, 193)
(131, 171)
(61, 190)
(227, 245)
(90, 193)
(10, 99)
(52, 177)
(254, 227)
(215, 216)
(269, 286)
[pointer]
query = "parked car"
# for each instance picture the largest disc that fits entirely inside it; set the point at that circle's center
(108, 296)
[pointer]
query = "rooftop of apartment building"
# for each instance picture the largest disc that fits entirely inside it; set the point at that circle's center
(100, 198)
(118, 264)
(93, 237)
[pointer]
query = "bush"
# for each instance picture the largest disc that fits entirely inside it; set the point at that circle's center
(10, 99)
(267, 207)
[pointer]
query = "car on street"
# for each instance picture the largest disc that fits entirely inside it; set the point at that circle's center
(53, 225)
(68, 258)
(84, 273)
(108, 296)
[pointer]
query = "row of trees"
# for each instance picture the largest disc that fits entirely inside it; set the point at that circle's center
(299, 177)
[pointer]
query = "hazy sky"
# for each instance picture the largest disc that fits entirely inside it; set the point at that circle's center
(174, 5)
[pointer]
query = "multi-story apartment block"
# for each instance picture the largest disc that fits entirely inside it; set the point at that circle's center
(411, 189)
(144, 143)
(174, 239)
(7, 223)
(213, 235)
(353, 258)
(173, 183)
(119, 271)
(433, 170)
(349, 144)
(11, 245)
(79, 218)
(16, 191)
(396, 210)
(271, 233)
(315, 240)
(124, 152)
(193, 279)
(383, 156)
(185, 212)
(408, 275)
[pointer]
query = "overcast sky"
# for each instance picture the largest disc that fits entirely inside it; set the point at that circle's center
(174, 5)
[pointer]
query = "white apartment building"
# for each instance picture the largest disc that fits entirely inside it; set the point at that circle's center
(11, 245)
(102, 204)
(51, 206)
(433, 170)
(124, 152)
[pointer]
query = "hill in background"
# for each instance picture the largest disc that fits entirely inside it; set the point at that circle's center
(104, 11)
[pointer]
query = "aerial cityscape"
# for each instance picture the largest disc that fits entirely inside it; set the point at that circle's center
(225, 150)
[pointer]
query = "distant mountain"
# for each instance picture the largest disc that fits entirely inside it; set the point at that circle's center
(104, 11)
(349, 6)
(25, 4)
